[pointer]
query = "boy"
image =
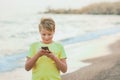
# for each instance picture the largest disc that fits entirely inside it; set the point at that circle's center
(46, 58)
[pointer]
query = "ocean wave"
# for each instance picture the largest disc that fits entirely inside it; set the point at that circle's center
(90, 35)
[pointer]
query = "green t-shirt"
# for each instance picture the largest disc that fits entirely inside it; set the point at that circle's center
(45, 68)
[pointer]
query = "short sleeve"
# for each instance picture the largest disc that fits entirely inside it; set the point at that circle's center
(62, 52)
(31, 51)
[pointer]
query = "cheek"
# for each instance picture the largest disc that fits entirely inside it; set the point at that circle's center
(50, 37)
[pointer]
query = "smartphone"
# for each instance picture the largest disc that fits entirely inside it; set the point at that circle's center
(45, 48)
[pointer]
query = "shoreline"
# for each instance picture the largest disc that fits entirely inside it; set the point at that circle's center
(102, 68)
(88, 50)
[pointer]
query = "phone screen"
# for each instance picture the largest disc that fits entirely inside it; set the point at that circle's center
(45, 48)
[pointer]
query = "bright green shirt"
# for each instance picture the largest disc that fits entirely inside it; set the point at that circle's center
(45, 68)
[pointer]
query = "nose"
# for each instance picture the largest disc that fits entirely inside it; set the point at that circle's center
(46, 37)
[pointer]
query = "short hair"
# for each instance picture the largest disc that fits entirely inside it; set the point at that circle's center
(47, 23)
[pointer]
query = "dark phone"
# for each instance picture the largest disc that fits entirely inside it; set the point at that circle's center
(45, 48)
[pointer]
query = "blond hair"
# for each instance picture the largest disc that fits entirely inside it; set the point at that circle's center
(47, 23)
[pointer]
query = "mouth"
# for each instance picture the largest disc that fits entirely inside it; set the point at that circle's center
(46, 40)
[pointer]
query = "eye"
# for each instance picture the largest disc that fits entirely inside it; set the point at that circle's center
(49, 34)
(43, 34)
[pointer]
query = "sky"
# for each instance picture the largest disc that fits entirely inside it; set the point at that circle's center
(11, 7)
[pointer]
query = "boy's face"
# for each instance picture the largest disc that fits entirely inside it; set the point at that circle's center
(46, 35)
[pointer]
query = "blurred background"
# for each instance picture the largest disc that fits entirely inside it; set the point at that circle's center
(78, 23)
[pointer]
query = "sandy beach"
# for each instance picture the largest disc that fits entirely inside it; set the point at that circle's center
(104, 66)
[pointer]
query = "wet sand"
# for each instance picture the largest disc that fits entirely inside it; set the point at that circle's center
(102, 68)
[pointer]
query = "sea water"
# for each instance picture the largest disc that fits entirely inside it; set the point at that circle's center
(19, 31)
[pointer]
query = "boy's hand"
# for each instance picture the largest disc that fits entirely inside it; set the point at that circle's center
(41, 52)
(50, 55)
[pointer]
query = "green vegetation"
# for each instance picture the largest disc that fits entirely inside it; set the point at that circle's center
(96, 8)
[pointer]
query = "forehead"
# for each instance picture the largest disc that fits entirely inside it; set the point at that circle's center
(46, 31)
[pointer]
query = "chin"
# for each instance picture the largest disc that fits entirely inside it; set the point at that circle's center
(47, 42)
